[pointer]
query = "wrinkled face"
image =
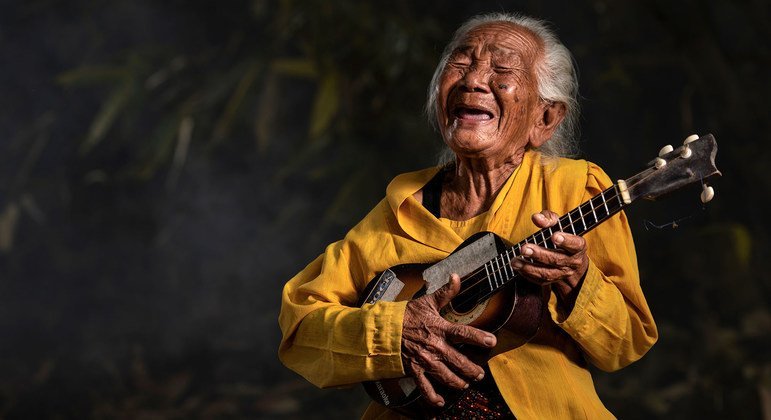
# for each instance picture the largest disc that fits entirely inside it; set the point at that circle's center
(488, 98)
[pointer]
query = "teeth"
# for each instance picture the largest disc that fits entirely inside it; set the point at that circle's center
(472, 114)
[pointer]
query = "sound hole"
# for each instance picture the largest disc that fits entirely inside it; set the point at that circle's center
(472, 292)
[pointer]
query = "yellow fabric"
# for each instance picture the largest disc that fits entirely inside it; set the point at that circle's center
(465, 228)
(331, 342)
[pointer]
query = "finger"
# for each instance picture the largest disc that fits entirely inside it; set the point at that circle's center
(571, 243)
(547, 257)
(462, 364)
(459, 333)
(545, 218)
(539, 273)
(426, 389)
(437, 368)
(445, 294)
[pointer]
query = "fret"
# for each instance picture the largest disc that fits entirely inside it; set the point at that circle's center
(497, 269)
(567, 220)
(527, 241)
(506, 275)
(495, 276)
(582, 218)
(501, 271)
(605, 203)
(502, 262)
(489, 280)
(508, 264)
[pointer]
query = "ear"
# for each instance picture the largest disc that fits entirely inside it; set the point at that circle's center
(548, 116)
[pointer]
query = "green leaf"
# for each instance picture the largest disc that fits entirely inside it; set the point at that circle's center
(225, 121)
(159, 148)
(294, 67)
(739, 238)
(8, 219)
(266, 112)
(107, 116)
(325, 105)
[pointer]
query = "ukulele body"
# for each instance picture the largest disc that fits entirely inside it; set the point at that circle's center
(518, 307)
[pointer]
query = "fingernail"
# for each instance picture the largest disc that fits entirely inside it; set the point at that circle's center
(481, 375)
(527, 251)
(489, 340)
(465, 386)
(517, 264)
(558, 238)
(440, 404)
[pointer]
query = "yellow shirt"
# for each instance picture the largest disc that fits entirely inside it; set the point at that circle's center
(331, 342)
(464, 229)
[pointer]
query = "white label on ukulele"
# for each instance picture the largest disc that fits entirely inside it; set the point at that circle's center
(407, 385)
(462, 262)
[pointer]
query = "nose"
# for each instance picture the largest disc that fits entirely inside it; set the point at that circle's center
(476, 79)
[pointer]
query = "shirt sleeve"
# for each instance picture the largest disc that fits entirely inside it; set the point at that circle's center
(327, 338)
(610, 321)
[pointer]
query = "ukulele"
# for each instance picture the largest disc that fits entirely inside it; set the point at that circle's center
(492, 295)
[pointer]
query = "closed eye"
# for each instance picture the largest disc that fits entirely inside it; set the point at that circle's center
(459, 63)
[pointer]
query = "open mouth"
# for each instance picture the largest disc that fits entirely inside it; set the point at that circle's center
(471, 114)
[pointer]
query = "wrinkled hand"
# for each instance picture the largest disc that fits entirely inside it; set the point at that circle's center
(562, 268)
(427, 340)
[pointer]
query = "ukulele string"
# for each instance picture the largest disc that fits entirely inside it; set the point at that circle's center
(466, 289)
(644, 175)
(674, 224)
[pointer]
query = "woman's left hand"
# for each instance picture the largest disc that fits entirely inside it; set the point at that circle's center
(562, 268)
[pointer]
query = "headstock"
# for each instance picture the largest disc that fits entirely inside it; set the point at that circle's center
(692, 162)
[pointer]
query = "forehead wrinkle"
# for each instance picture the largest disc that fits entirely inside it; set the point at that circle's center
(505, 37)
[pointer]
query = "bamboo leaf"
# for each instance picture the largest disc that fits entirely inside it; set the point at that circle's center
(294, 67)
(325, 105)
(180, 152)
(225, 122)
(32, 208)
(740, 239)
(345, 195)
(106, 116)
(742, 243)
(8, 220)
(160, 150)
(266, 112)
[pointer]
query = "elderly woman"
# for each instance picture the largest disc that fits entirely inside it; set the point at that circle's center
(504, 99)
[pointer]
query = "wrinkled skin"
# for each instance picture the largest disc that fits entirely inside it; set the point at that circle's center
(427, 344)
(563, 269)
(489, 112)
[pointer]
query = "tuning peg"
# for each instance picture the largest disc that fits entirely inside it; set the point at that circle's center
(660, 163)
(686, 152)
(690, 139)
(666, 149)
(707, 193)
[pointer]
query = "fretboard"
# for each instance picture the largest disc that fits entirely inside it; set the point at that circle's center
(498, 272)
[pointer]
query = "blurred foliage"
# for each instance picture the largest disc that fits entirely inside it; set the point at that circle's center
(166, 167)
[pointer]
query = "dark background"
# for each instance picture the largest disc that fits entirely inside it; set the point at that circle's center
(166, 166)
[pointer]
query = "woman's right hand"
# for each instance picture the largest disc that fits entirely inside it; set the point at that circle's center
(427, 344)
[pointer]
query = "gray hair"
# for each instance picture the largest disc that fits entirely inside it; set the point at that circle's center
(555, 74)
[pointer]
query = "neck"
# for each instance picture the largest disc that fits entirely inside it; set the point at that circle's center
(471, 188)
